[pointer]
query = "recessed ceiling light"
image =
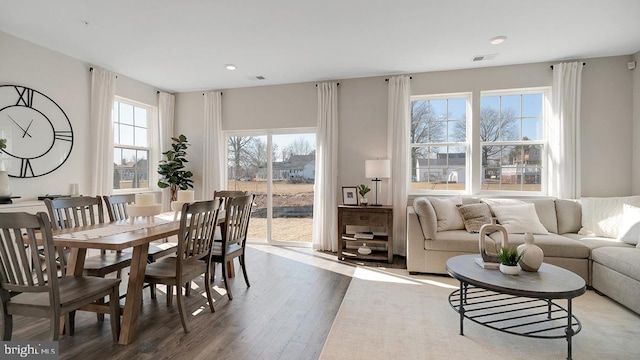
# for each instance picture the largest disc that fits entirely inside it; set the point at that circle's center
(230, 67)
(497, 40)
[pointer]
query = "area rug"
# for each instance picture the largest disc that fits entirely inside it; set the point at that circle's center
(389, 314)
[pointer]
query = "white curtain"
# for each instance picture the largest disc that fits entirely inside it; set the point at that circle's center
(103, 93)
(564, 131)
(325, 222)
(398, 149)
(213, 163)
(162, 141)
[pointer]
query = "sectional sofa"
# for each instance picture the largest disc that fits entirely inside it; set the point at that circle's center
(597, 238)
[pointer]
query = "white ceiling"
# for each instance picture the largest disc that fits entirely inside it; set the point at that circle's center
(183, 45)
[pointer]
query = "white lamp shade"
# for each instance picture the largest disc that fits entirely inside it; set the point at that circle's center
(376, 169)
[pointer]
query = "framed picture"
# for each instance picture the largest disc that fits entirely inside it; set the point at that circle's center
(350, 195)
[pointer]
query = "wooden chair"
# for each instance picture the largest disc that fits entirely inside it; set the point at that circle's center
(80, 211)
(34, 289)
(234, 237)
(197, 226)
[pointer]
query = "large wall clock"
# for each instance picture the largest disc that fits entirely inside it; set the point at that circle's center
(38, 132)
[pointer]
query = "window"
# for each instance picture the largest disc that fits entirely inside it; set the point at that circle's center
(439, 148)
(512, 140)
(508, 138)
(131, 145)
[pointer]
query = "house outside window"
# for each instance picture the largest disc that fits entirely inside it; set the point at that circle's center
(439, 147)
(509, 136)
(131, 144)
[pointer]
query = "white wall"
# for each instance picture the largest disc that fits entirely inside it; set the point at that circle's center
(611, 163)
(68, 82)
(606, 132)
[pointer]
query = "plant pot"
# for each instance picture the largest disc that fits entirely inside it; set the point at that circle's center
(509, 270)
(363, 200)
(5, 189)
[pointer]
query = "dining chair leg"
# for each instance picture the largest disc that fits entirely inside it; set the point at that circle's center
(114, 317)
(169, 295)
(181, 308)
(7, 326)
(207, 286)
(70, 321)
(187, 289)
(225, 276)
(244, 270)
(152, 290)
(54, 328)
(213, 272)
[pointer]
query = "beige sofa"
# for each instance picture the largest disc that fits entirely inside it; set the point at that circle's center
(610, 266)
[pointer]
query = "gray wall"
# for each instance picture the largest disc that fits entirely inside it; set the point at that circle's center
(610, 132)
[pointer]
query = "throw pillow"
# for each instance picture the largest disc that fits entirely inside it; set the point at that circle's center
(447, 213)
(602, 216)
(629, 230)
(474, 216)
(519, 219)
(500, 202)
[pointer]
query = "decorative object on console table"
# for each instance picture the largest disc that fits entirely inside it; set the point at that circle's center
(378, 241)
(532, 255)
(5, 189)
(377, 169)
(171, 169)
(350, 195)
(485, 230)
(41, 133)
(363, 190)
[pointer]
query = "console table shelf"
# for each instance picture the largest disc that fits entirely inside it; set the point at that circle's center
(369, 216)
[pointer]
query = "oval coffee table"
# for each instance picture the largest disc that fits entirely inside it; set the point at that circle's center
(521, 304)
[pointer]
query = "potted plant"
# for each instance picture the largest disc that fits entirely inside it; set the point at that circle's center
(509, 259)
(363, 190)
(171, 169)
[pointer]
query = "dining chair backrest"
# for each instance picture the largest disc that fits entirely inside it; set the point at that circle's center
(117, 205)
(198, 222)
(71, 212)
(225, 194)
(22, 269)
(236, 225)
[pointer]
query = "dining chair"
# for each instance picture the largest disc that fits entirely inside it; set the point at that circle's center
(71, 212)
(198, 221)
(234, 238)
(30, 285)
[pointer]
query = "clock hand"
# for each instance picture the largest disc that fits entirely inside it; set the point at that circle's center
(16, 123)
(25, 132)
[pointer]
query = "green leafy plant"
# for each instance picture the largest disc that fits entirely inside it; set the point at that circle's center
(509, 256)
(3, 143)
(363, 189)
(171, 170)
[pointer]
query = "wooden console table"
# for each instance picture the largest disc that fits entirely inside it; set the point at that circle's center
(372, 217)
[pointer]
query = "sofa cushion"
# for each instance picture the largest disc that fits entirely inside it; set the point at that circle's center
(629, 228)
(553, 245)
(426, 216)
(474, 216)
(602, 216)
(546, 210)
(519, 219)
(623, 260)
(598, 242)
(569, 216)
(456, 240)
(447, 213)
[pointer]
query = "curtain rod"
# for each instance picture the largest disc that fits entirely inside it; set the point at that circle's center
(338, 84)
(583, 64)
(91, 70)
(410, 78)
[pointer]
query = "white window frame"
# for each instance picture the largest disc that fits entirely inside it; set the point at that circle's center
(152, 158)
(546, 101)
(465, 145)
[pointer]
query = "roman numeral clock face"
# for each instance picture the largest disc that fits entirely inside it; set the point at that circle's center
(38, 132)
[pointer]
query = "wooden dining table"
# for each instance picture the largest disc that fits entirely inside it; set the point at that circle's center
(119, 235)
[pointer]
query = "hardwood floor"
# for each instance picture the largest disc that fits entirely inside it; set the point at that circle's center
(285, 314)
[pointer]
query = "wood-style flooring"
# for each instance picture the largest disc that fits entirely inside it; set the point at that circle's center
(285, 314)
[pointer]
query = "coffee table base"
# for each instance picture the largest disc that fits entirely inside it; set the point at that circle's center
(529, 317)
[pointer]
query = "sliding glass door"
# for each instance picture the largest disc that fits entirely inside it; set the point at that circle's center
(279, 167)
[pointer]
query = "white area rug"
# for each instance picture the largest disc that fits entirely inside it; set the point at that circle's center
(389, 314)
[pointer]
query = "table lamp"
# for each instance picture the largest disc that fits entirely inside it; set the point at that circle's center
(377, 169)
